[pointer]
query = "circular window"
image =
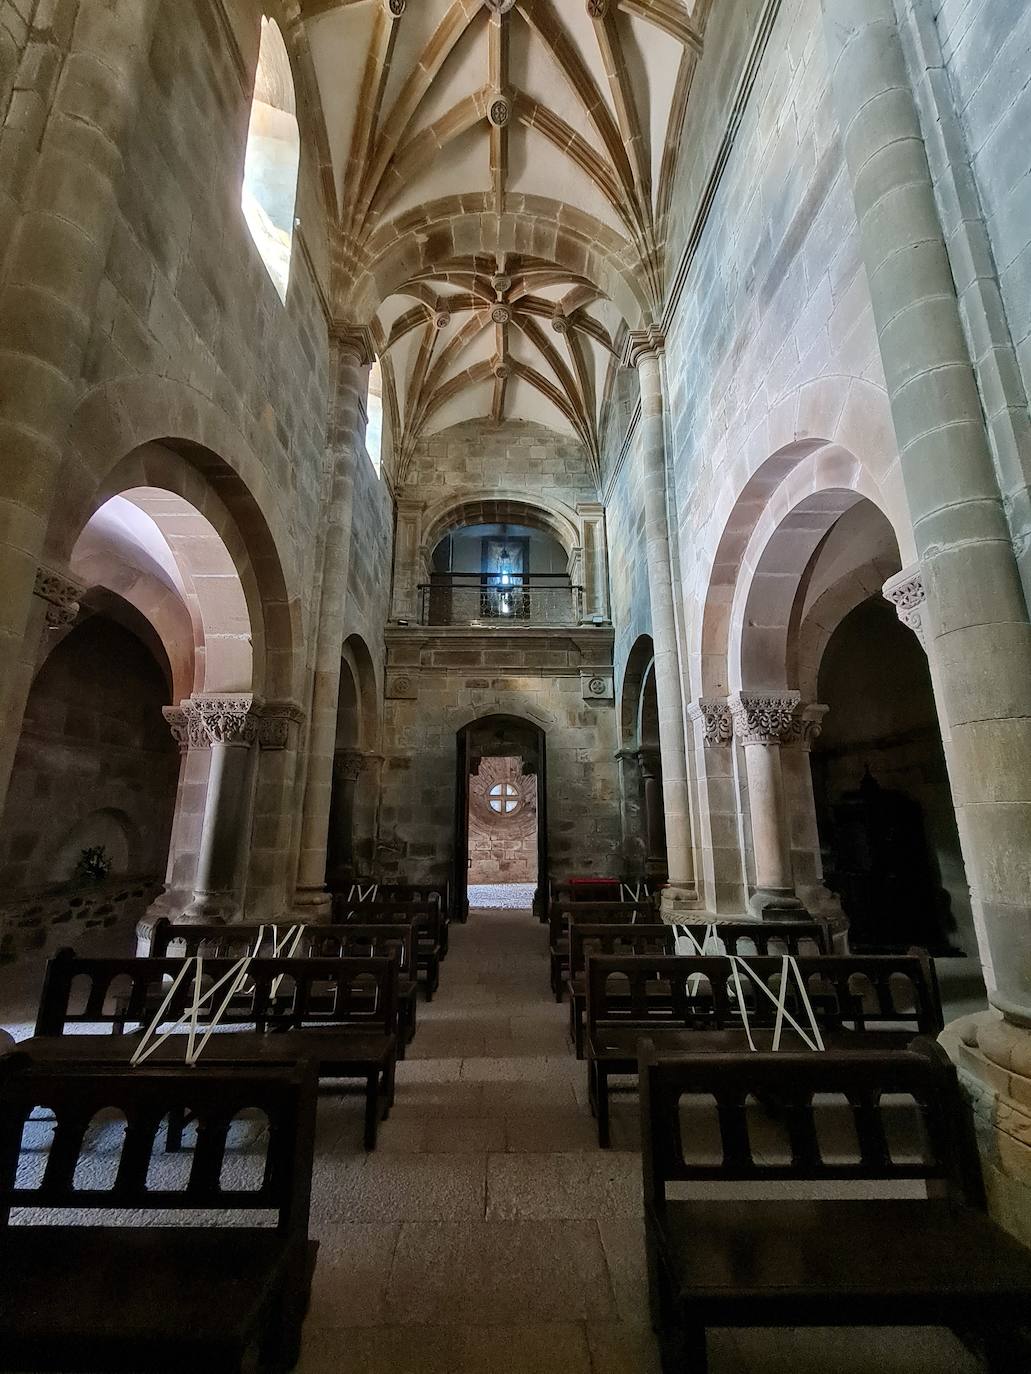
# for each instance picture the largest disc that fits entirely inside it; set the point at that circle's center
(503, 798)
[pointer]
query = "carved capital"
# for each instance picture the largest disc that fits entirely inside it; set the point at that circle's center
(61, 594)
(225, 719)
(810, 723)
(275, 721)
(907, 594)
(650, 763)
(178, 721)
(766, 717)
(348, 765)
(355, 342)
(643, 343)
(717, 722)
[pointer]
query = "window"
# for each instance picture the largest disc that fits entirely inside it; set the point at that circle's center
(273, 158)
(503, 798)
(374, 412)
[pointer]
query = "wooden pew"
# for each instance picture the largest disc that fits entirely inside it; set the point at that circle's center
(157, 1299)
(690, 1005)
(168, 940)
(426, 920)
(781, 1261)
(339, 1013)
(738, 937)
(371, 892)
(597, 913)
(592, 888)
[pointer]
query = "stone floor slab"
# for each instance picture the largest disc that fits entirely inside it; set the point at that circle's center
(575, 1187)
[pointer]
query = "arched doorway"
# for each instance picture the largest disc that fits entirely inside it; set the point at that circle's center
(644, 821)
(352, 815)
(501, 825)
(884, 809)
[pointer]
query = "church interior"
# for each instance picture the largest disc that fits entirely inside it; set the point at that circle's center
(515, 686)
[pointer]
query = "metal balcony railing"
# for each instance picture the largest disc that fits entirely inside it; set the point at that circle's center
(500, 599)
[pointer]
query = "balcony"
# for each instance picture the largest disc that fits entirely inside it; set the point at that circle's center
(500, 600)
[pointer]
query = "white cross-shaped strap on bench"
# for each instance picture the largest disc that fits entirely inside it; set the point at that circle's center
(686, 945)
(236, 977)
(369, 895)
(788, 967)
(281, 949)
(630, 894)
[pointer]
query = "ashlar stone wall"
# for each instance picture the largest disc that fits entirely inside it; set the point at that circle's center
(438, 681)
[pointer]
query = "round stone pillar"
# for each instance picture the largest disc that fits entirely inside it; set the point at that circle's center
(654, 824)
(347, 769)
(231, 728)
(644, 351)
(977, 620)
(762, 724)
(352, 356)
(50, 275)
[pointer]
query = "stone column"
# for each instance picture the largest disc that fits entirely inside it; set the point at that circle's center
(654, 824)
(230, 726)
(408, 562)
(352, 355)
(720, 809)
(763, 722)
(347, 769)
(977, 625)
(644, 351)
(50, 278)
(594, 563)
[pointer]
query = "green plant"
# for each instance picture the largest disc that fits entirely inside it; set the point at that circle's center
(94, 864)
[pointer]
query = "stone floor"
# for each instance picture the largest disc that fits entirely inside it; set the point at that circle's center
(488, 1234)
(504, 896)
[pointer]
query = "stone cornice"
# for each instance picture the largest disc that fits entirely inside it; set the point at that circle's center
(355, 340)
(907, 593)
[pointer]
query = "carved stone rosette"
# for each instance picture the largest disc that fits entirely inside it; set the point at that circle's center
(907, 594)
(275, 721)
(61, 595)
(227, 720)
(717, 722)
(766, 717)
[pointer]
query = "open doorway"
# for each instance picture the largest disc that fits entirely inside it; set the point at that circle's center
(501, 830)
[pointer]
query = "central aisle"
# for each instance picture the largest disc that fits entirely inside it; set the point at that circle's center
(488, 1234)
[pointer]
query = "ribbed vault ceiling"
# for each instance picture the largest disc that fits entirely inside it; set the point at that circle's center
(502, 182)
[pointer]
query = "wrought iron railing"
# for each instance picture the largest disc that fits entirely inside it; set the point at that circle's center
(500, 599)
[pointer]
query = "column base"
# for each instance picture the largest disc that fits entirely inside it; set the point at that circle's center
(777, 904)
(313, 906)
(993, 1058)
(680, 899)
(211, 909)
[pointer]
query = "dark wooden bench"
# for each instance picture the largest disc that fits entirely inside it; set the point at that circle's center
(595, 889)
(737, 937)
(690, 1004)
(426, 920)
(933, 1259)
(212, 1296)
(596, 913)
(370, 892)
(169, 939)
(339, 1013)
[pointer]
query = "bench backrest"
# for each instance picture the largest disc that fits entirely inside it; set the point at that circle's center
(425, 917)
(606, 889)
(589, 939)
(144, 1097)
(738, 937)
(596, 913)
(727, 1088)
(369, 891)
(234, 941)
(862, 992)
(279, 993)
